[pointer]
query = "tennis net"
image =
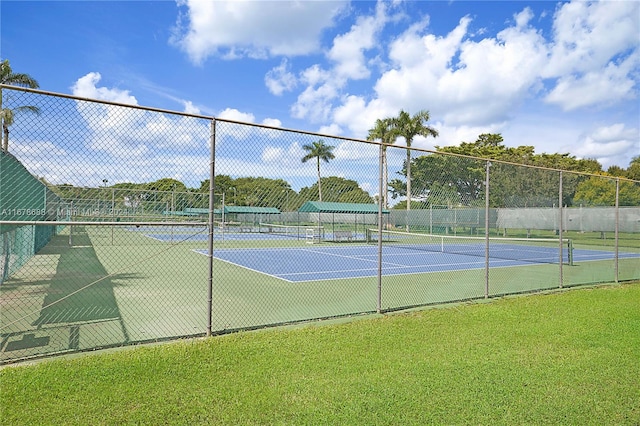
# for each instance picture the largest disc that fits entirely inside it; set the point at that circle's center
(295, 231)
(535, 250)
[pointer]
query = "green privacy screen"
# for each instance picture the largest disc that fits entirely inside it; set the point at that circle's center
(23, 197)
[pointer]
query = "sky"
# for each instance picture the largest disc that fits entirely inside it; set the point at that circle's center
(563, 77)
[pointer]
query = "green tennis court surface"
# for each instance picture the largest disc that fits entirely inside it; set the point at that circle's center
(115, 287)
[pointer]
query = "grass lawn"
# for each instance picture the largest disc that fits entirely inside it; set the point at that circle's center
(569, 357)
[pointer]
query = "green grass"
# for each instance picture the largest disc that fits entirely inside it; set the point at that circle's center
(559, 358)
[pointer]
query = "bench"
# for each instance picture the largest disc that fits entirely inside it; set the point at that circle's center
(342, 235)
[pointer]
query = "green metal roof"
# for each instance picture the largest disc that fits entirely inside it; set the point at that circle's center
(250, 209)
(330, 207)
(197, 210)
(191, 211)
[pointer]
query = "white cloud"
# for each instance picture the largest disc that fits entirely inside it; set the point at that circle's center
(602, 87)
(279, 79)
(453, 135)
(273, 122)
(270, 133)
(190, 108)
(314, 103)
(608, 143)
(86, 87)
(70, 165)
(594, 53)
(127, 133)
(235, 115)
(347, 150)
(234, 29)
(315, 75)
(348, 49)
(358, 116)
(464, 81)
(613, 133)
(332, 129)
(473, 83)
(348, 62)
(283, 156)
(461, 82)
(33, 148)
(588, 34)
(272, 153)
(418, 62)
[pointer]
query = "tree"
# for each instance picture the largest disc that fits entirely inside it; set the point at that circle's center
(167, 185)
(409, 127)
(339, 190)
(252, 191)
(516, 186)
(633, 171)
(131, 195)
(261, 192)
(383, 130)
(616, 171)
(7, 76)
(320, 151)
(222, 184)
(600, 191)
(167, 193)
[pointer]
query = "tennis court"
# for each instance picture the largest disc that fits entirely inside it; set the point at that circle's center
(328, 262)
(230, 233)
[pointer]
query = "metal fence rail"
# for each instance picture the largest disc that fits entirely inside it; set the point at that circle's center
(121, 225)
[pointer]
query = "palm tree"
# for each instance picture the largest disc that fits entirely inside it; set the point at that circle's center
(410, 127)
(7, 76)
(384, 132)
(319, 151)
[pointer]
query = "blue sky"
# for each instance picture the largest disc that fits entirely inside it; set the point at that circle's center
(561, 76)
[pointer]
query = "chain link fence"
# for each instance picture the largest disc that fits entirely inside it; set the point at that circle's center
(122, 225)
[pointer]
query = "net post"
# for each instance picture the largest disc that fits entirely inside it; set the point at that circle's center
(570, 254)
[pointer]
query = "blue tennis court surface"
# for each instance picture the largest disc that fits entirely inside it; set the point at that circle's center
(315, 263)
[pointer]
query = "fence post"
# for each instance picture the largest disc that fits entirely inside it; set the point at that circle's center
(486, 232)
(212, 187)
(381, 197)
(560, 229)
(617, 228)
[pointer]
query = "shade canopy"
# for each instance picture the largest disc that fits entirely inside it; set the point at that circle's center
(331, 207)
(250, 210)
